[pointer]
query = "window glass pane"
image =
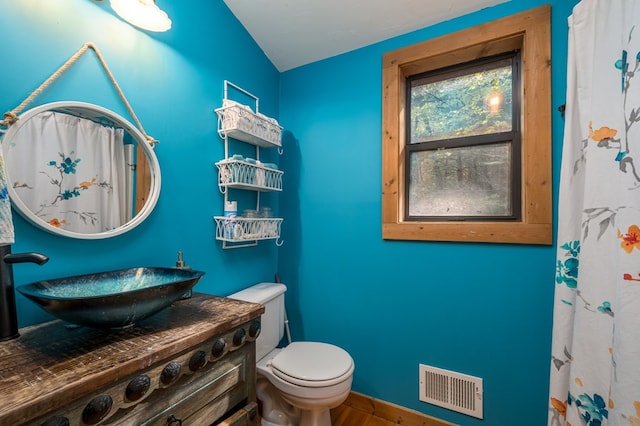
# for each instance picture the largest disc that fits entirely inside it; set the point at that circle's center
(465, 181)
(462, 103)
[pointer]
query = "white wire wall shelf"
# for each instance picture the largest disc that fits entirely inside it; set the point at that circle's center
(247, 231)
(244, 175)
(245, 124)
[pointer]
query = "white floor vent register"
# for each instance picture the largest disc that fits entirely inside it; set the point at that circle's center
(455, 391)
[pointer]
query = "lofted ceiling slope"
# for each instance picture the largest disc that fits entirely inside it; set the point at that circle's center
(293, 33)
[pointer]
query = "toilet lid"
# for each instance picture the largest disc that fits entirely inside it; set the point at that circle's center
(312, 364)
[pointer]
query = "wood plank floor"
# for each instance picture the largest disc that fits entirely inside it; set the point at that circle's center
(347, 416)
(361, 410)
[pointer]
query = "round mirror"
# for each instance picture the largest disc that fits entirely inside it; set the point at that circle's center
(79, 170)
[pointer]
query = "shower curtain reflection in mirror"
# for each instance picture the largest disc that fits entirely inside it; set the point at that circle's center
(72, 172)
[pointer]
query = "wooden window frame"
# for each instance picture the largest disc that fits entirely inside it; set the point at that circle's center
(528, 32)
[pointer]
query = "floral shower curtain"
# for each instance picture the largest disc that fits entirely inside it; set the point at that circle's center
(79, 172)
(595, 364)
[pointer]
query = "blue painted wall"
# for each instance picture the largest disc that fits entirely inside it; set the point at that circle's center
(480, 309)
(174, 81)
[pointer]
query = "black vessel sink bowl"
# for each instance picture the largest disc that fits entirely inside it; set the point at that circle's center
(113, 299)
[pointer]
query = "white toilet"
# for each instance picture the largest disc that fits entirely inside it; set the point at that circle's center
(300, 383)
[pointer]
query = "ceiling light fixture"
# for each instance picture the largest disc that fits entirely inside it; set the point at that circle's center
(144, 14)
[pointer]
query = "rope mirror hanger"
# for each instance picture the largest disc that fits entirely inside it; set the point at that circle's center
(11, 117)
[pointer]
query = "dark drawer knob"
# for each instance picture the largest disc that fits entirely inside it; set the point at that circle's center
(173, 421)
(97, 409)
(239, 336)
(254, 329)
(56, 421)
(218, 348)
(137, 387)
(197, 361)
(170, 373)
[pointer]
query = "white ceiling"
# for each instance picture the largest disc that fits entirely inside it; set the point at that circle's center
(297, 32)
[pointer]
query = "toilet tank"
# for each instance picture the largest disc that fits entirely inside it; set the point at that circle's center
(271, 295)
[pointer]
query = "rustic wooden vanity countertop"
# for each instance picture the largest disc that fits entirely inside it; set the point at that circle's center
(51, 364)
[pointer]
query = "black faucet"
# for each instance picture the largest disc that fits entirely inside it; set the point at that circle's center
(8, 314)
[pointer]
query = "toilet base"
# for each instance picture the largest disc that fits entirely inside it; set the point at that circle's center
(277, 411)
(315, 417)
(264, 422)
(307, 418)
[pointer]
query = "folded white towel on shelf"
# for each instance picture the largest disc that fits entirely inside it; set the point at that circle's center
(269, 119)
(226, 103)
(6, 221)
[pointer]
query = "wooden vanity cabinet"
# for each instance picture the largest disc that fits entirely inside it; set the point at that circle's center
(191, 364)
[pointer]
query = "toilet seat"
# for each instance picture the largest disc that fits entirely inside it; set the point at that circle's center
(312, 364)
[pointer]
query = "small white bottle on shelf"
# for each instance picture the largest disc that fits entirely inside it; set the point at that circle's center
(232, 229)
(259, 180)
